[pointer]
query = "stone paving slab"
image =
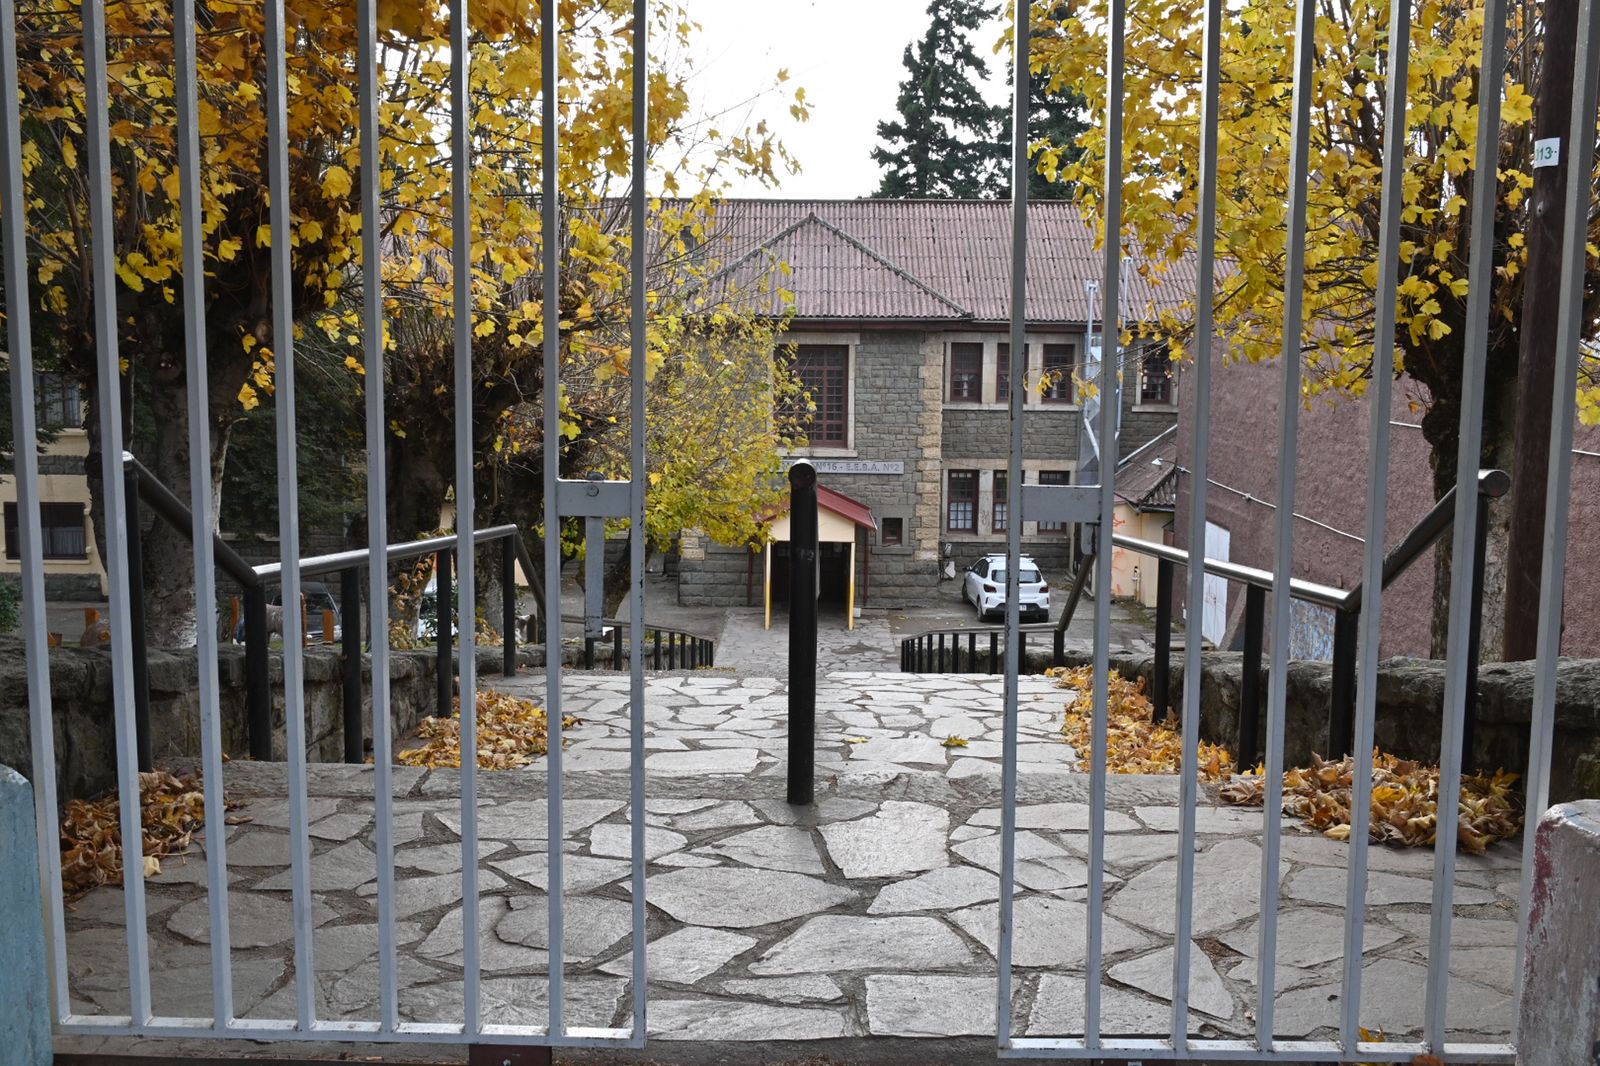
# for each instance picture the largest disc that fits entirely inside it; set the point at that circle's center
(871, 915)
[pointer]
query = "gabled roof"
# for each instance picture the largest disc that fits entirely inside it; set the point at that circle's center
(840, 504)
(926, 259)
(1148, 477)
(834, 275)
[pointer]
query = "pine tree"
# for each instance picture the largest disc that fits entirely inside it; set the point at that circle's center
(945, 142)
(1055, 117)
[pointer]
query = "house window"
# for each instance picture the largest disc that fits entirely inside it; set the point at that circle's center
(966, 373)
(1155, 378)
(961, 508)
(1054, 477)
(892, 533)
(57, 402)
(1002, 373)
(824, 372)
(999, 512)
(1058, 373)
(63, 531)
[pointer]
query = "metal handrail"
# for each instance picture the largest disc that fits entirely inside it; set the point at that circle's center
(683, 647)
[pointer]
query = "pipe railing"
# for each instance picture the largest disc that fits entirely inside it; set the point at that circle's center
(683, 650)
(926, 652)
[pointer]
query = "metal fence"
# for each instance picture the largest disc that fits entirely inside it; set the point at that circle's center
(563, 499)
(1091, 504)
(1351, 1044)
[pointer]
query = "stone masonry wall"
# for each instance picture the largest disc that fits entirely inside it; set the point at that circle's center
(1410, 709)
(85, 736)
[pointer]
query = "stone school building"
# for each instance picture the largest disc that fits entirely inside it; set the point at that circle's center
(900, 333)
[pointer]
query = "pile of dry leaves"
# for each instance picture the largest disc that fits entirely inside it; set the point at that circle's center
(172, 809)
(1137, 743)
(511, 733)
(1405, 800)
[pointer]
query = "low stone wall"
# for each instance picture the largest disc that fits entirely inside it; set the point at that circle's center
(85, 737)
(1410, 710)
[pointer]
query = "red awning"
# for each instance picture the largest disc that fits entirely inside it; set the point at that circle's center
(840, 504)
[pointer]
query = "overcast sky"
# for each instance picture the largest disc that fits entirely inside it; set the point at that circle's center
(847, 55)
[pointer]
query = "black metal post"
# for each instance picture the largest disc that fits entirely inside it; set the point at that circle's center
(1342, 698)
(672, 651)
(994, 653)
(257, 683)
(1161, 686)
(1255, 617)
(802, 632)
(441, 620)
(136, 623)
(1022, 651)
(1469, 710)
(616, 647)
(658, 649)
(972, 650)
(1060, 656)
(588, 653)
(350, 639)
(940, 660)
(508, 604)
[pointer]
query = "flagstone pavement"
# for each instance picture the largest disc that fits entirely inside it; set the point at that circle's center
(871, 914)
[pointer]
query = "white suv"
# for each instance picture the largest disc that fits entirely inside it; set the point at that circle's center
(984, 586)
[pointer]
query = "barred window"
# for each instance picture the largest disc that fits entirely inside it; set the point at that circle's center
(961, 507)
(824, 372)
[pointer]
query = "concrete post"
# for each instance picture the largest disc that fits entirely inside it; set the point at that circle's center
(24, 977)
(1560, 1009)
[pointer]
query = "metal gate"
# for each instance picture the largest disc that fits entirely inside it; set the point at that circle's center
(1093, 504)
(563, 499)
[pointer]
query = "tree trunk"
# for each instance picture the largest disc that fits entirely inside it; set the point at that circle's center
(1441, 426)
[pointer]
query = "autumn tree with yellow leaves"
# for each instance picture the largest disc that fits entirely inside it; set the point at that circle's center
(689, 158)
(1160, 175)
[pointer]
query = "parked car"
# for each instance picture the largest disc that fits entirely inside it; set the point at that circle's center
(426, 625)
(318, 598)
(984, 586)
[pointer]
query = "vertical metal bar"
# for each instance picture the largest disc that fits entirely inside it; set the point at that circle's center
(616, 647)
(1059, 651)
(1205, 297)
(1342, 678)
(1019, 332)
(1162, 681)
(466, 518)
(25, 457)
(350, 641)
(1369, 624)
(638, 337)
(203, 519)
(940, 659)
(136, 624)
(994, 653)
(588, 653)
(972, 650)
(550, 253)
(372, 347)
(508, 605)
(1110, 291)
(108, 371)
(443, 617)
(657, 650)
(1480, 278)
(1558, 482)
(257, 677)
(1255, 619)
(1283, 553)
(1469, 710)
(277, 102)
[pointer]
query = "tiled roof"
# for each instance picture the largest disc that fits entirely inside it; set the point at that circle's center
(925, 259)
(1148, 478)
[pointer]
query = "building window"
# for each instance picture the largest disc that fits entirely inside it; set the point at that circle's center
(961, 508)
(892, 533)
(1155, 378)
(824, 372)
(1058, 373)
(1002, 373)
(966, 373)
(63, 531)
(57, 402)
(1054, 477)
(999, 511)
